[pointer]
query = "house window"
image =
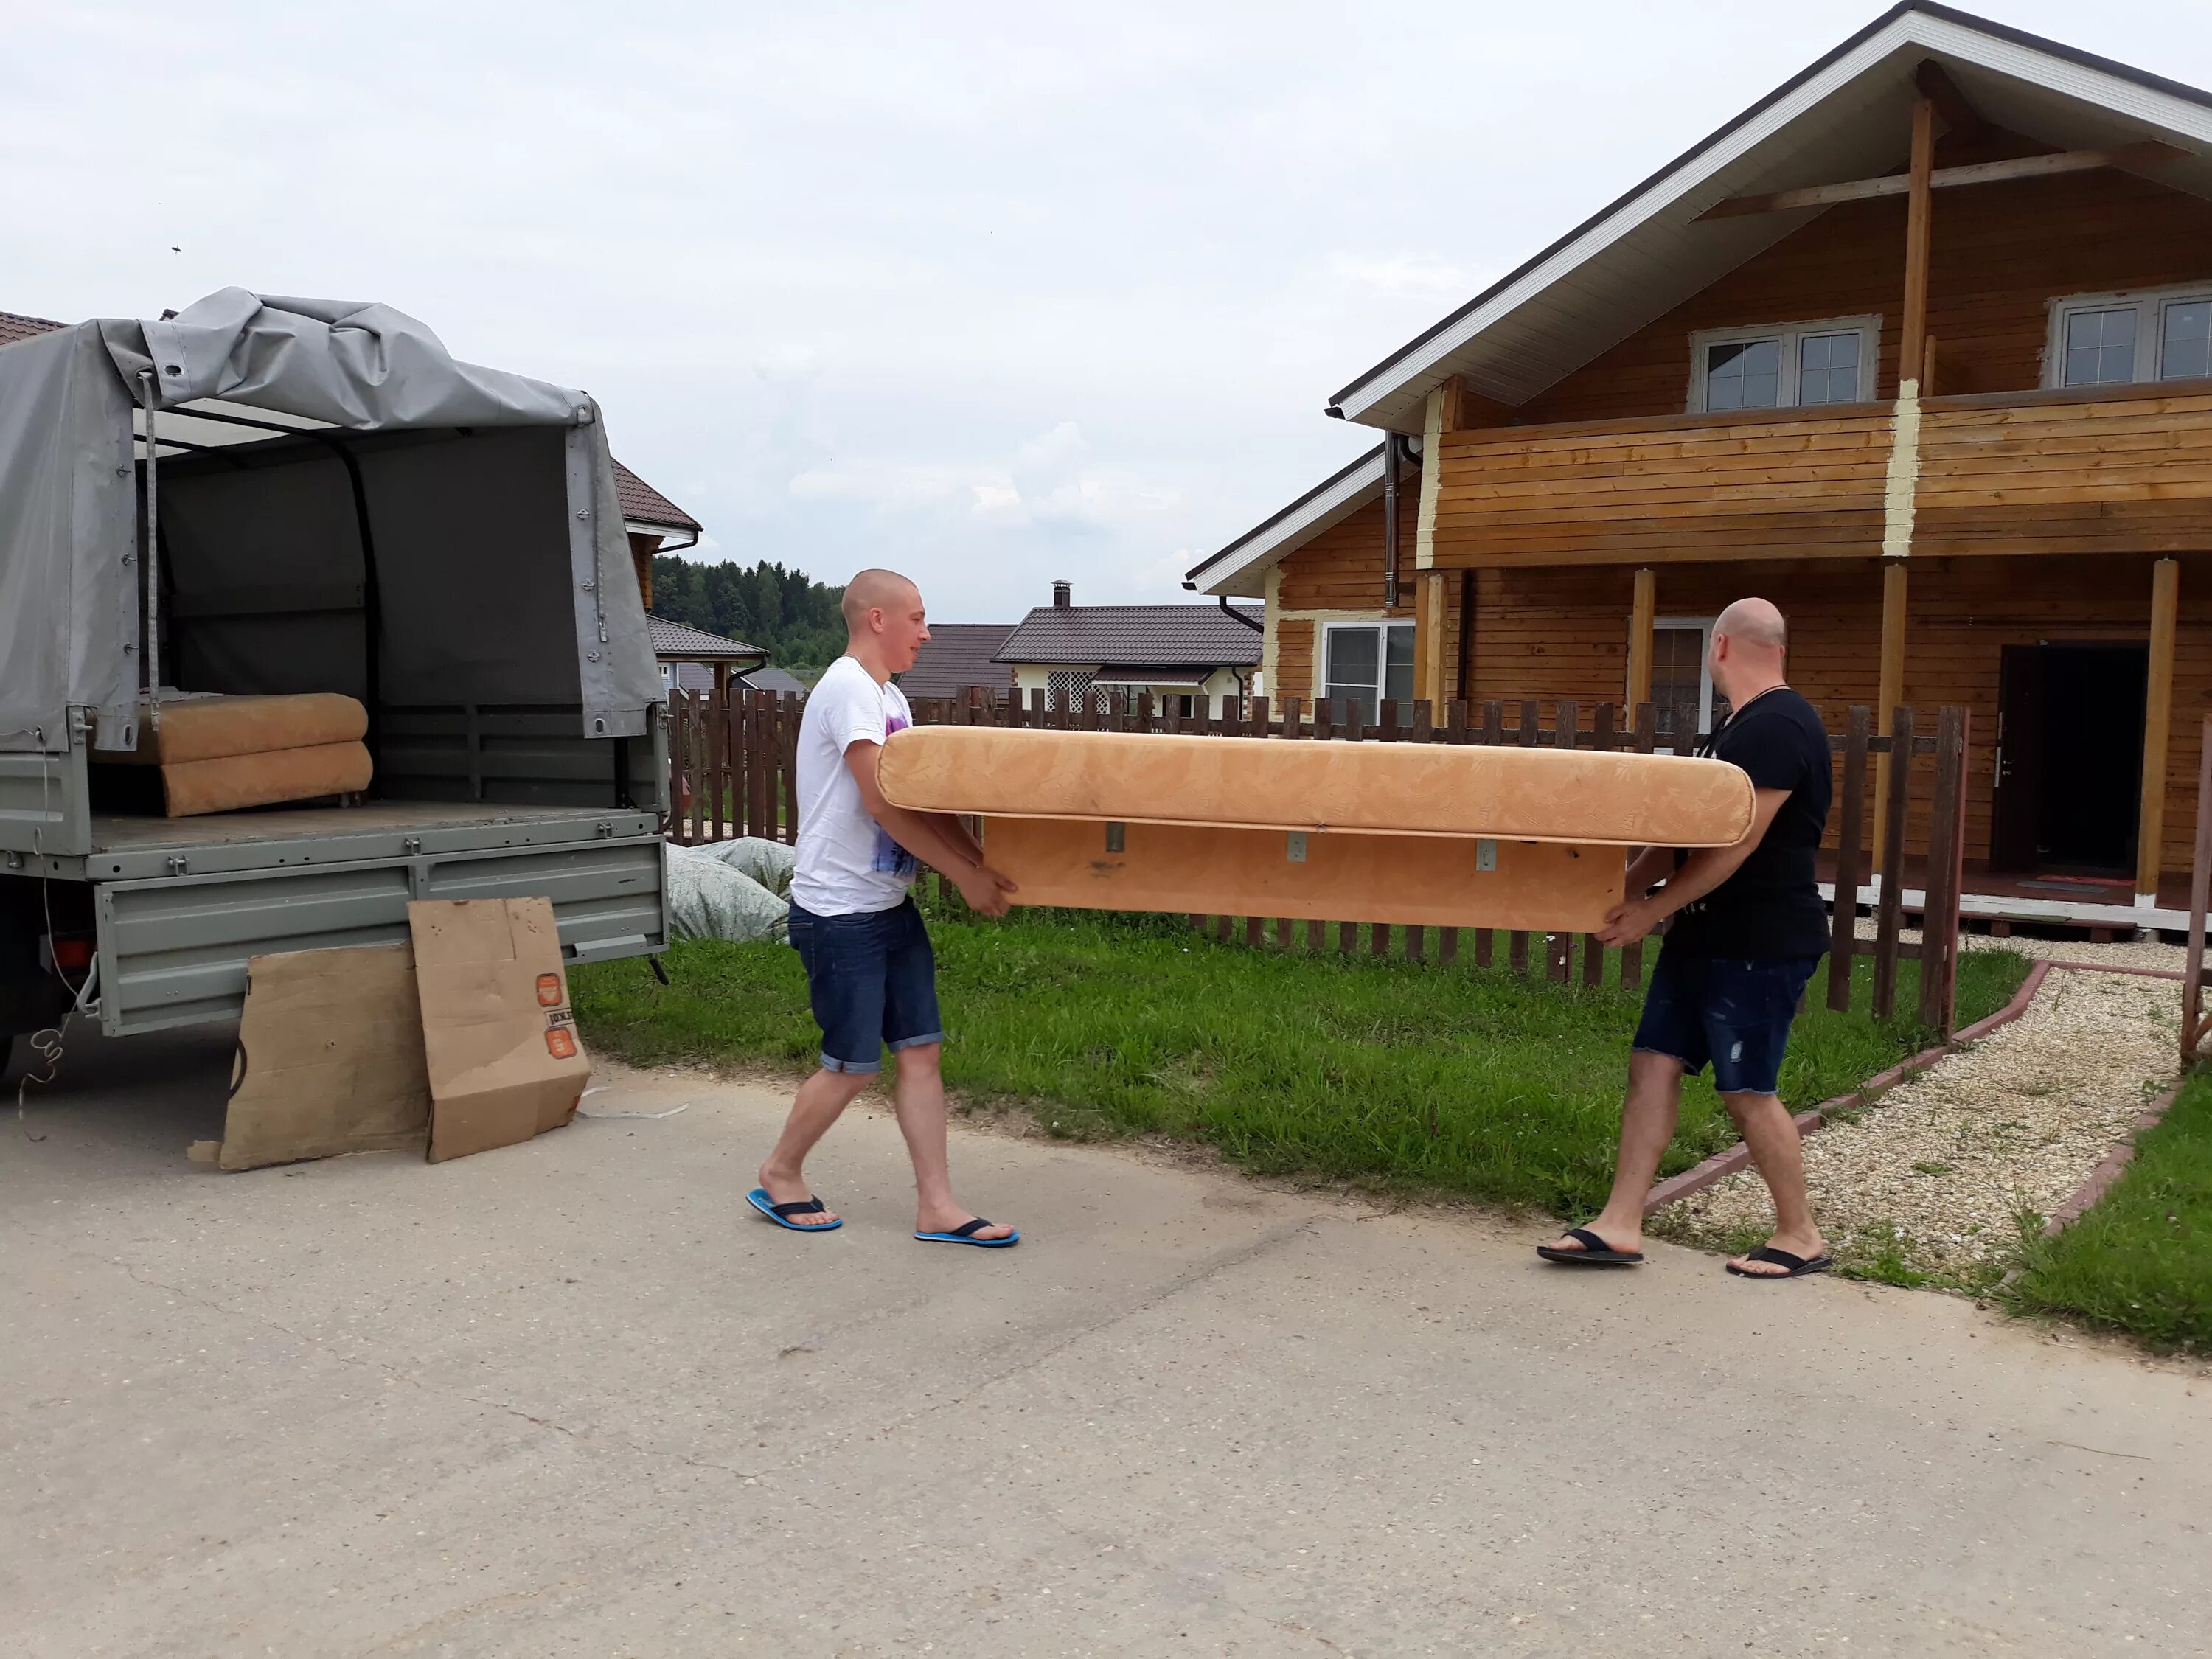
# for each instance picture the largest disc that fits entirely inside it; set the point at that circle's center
(2121, 339)
(1366, 662)
(1684, 704)
(1786, 366)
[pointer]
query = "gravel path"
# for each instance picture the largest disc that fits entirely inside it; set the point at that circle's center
(1933, 1175)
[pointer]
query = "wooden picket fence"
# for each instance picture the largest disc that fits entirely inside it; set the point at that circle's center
(731, 769)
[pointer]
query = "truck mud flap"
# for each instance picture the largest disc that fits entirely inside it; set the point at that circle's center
(173, 952)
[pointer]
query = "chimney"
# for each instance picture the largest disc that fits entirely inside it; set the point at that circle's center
(1063, 597)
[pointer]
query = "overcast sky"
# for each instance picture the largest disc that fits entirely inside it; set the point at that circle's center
(992, 294)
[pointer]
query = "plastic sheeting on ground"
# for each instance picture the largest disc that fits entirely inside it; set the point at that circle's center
(711, 893)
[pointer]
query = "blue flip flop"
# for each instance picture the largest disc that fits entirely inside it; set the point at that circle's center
(760, 1201)
(965, 1234)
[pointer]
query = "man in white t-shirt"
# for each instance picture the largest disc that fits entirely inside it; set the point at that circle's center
(870, 973)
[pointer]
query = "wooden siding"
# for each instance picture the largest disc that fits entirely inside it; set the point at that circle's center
(1341, 568)
(2067, 471)
(1999, 254)
(1564, 633)
(1747, 486)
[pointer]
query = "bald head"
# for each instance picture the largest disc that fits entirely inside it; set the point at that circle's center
(877, 590)
(1755, 623)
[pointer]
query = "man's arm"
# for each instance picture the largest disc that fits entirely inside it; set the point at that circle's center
(1707, 868)
(935, 836)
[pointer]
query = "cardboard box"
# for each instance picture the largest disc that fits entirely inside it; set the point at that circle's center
(329, 1060)
(498, 1035)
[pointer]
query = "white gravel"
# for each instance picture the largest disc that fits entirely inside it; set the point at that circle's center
(1937, 1172)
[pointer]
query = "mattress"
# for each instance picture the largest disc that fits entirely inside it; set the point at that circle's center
(1423, 834)
(229, 782)
(199, 728)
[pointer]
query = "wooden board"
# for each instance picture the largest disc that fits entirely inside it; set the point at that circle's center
(1415, 880)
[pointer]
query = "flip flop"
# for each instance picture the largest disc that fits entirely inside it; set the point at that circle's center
(1798, 1265)
(965, 1234)
(760, 1201)
(1594, 1253)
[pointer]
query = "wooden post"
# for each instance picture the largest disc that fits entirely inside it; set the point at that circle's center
(1463, 668)
(1429, 637)
(1938, 926)
(1912, 332)
(2200, 894)
(1890, 694)
(2158, 717)
(1850, 837)
(1887, 914)
(1640, 637)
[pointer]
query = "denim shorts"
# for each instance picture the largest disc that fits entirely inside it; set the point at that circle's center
(872, 979)
(1731, 1010)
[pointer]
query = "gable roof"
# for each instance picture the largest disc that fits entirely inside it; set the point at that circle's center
(1846, 116)
(681, 640)
(1239, 568)
(772, 679)
(1169, 635)
(957, 656)
(14, 326)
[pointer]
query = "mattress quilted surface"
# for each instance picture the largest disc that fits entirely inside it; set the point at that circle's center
(1585, 797)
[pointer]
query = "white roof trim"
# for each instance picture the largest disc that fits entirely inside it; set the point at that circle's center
(1692, 183)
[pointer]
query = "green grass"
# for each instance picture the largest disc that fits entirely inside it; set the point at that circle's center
(1466, 1081)
(2141, 1262)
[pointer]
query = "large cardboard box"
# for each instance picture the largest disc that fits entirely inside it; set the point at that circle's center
(498, 1034)
(329, 1060)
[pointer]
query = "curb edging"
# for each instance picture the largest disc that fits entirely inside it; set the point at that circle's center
(1737, 1157)
(2085, 1196)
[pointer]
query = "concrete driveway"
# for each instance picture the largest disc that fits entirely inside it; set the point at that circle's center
(572, 1397)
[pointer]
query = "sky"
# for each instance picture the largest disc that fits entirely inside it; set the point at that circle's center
(990, 294)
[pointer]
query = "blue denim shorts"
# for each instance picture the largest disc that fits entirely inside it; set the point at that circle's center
(1733, 1011)
(872, 979)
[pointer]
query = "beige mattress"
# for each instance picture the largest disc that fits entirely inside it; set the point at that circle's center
(216, 727)
(1586, 798)
(230, 782)
(1425, 834)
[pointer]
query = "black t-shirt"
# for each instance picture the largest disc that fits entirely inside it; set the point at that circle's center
(1770, 907)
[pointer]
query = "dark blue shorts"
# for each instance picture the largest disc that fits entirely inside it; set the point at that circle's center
(1730, 1010)
(872, 979)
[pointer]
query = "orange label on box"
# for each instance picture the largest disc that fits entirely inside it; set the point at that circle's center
(549, 990)
(560, 1042)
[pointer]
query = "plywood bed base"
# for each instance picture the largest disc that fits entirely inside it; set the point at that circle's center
(1420, 835)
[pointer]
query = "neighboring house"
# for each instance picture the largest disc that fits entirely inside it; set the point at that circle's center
(692, 659)
(1920, 348)
(1174, 651)
(778, 680)
(960, 657)
(653, 524)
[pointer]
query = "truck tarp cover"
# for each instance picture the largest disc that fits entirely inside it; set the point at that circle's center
(484, 596)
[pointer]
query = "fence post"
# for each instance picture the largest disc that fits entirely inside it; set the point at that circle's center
(1892, 871)
(788, 713)
(1938, 926)
(2200, 897)
(1851, 844)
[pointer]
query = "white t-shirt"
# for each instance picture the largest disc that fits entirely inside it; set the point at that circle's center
(846, 862)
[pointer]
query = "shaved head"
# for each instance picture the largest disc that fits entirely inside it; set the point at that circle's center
(1755, 623)
(877, 590)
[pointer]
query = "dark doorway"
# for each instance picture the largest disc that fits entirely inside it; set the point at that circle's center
(2070, 758)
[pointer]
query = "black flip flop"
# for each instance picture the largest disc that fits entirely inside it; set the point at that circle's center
(1594, 1253)
(1797, 1266)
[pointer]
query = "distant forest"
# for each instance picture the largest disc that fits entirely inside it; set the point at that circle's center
(784, 612)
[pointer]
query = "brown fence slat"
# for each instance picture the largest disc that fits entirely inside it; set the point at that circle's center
(1893, 877)
(1850, 842)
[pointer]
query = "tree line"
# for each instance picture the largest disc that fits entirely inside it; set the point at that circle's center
(784, 612)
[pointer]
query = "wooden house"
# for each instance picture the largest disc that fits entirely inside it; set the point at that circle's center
(1918, 347)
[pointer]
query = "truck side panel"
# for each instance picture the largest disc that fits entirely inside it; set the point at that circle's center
(43, 804)
(173, 952)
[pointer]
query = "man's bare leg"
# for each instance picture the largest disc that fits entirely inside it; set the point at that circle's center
(1780, 1155)
(1648, 1117)
(822, 1099)
(918, 1095)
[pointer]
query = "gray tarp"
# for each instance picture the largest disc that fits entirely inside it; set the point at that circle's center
(485, 598)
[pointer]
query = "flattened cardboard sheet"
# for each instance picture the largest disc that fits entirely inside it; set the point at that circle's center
(499, 1037)
(330, 1059)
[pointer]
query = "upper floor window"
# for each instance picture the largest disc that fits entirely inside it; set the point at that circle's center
(2120, 339)
(1785, 365)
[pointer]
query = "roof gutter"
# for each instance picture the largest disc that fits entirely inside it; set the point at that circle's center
(1229, 610)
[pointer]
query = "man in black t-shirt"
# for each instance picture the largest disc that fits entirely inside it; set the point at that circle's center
(1749, 929)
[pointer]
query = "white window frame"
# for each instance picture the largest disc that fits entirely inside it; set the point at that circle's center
(2149, 306)
(1868, 329)
(1382, 654)
(1705, 627)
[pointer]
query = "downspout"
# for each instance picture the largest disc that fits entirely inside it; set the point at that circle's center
(1389, 521)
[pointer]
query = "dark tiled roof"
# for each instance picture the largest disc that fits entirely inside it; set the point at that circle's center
(681, 640)
(773, 679)
(959, 655)
(1177, 635)
(642, 502)
(14, 327)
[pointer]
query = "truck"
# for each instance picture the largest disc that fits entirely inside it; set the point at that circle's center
(264, 496)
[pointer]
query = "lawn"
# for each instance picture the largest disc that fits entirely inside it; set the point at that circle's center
(2141, 1262)
(1461, 1079)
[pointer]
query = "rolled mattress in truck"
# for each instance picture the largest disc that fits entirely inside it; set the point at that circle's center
(1431, 834)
